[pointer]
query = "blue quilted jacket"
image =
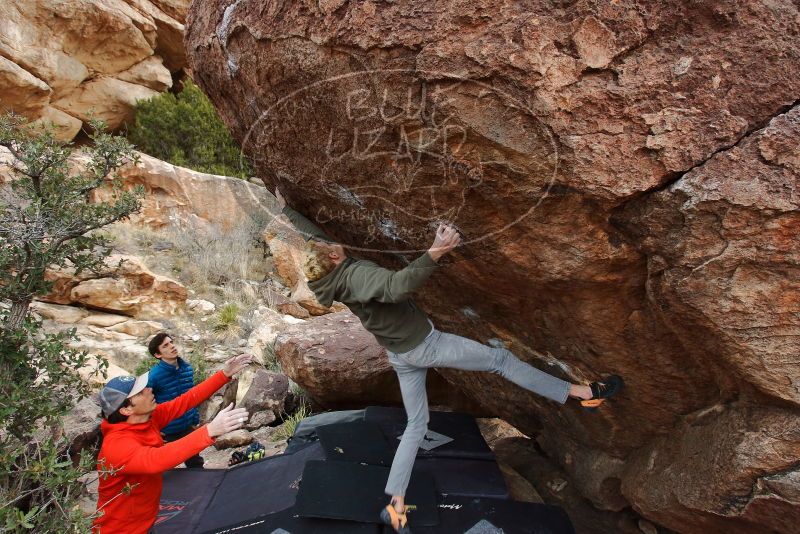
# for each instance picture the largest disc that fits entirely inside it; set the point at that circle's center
(167, 383)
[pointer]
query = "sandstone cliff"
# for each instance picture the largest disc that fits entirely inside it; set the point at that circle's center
(62, 62)
(625, 174)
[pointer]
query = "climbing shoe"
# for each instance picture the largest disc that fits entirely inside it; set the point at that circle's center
(237, 457)
(396, 520)
(602, 390)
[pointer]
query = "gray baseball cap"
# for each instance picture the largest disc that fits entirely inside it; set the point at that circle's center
(120, 388)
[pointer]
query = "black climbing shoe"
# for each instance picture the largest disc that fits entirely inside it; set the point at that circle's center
(236, 458)
(605, 389)
(396, 520)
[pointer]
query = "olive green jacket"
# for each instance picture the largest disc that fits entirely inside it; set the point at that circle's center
(379, 297)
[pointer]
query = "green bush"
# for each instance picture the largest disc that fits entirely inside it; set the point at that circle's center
(185, 130)
(40, 481)
(144, 366)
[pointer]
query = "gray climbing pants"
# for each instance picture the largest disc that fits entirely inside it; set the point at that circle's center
(450, 351)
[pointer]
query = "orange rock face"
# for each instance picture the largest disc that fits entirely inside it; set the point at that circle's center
(128, 287)
(626, 182)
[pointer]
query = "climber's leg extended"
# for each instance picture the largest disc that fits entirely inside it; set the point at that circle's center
(456, 352)
(415, 400)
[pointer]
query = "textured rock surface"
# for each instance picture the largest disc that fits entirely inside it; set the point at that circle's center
(268, 324)
(59, 61)
(237, 438)
(286, 246)
(176, 9)
(176, 196)
(337, 361)
(265, 398)
(81, 426)
(286, 305)
(724, 260)
(57, 313)
(723, 255)
(340, 365)
(627, 204)
(128, 288)
(745, 481)
(557, 488)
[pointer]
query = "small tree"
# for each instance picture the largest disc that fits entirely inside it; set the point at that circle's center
(185, 130)
(46, 221)
(45, 215)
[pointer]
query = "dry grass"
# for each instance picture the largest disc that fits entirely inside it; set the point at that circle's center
(271, 362)
(222, 266)
(226, 321)
(290, 422)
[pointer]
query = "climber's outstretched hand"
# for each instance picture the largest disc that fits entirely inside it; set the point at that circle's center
(447, 238)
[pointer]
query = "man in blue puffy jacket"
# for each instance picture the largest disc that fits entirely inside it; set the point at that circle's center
(170, 378)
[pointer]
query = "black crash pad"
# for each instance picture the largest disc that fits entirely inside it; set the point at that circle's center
(355, 492)
(185, 496)
(306, 430)
(359, 441)
(288, 522)
(253, 489)
(363, 442)
(464, 477)
(465, 515)
(462, 428)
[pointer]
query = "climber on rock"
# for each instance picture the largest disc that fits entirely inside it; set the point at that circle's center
(382, 299)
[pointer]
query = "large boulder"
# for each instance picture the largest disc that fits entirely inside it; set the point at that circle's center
(753, 457)
(337, 362)
(264, 398)
(623, 205)
(723, 259)
(30, 94)
(127, 287)
(341, 365)
(61, 62)
(106, 98)
(58, 313)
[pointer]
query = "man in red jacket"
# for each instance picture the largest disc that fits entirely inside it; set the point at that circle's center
(134, 456)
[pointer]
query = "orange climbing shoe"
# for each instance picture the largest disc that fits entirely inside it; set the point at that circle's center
(396, 520)
(605, 389)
